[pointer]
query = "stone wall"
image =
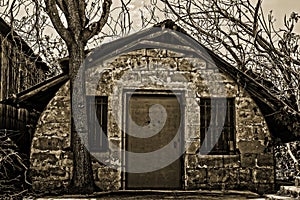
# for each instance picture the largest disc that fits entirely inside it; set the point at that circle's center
(250, 168)
(51, 161)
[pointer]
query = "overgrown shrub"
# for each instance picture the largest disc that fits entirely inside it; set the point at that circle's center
(12, 169)
(286, 168)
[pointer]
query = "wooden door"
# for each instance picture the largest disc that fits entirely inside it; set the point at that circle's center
(168, 177)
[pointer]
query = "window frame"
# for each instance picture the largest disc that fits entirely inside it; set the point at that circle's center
(96, 141)
(227, 146)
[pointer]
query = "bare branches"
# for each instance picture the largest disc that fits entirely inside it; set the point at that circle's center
(51, 9)
(12, 168)
(239, 32)
(96, 27)
(41, 23)
(255, 25)
(78, 27)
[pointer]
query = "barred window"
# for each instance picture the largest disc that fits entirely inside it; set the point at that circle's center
(97, 123)
(217, 138)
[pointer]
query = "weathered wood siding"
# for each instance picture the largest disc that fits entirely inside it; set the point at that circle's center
(20, 70)
(12, 118)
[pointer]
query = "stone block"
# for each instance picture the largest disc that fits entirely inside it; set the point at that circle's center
(48, 143)
(196, 177)
(154, 63)
(154, 77)
(263, 175)
(243, 102)
(192, 133)
(61, 102)
(188, 76)
(140, 62)
(192, 146)
(113, 129)
(193, 118)
(211, 161)
(265, 188)
(45, 158)
(192, 161)
(106, 173)
(217, 175)
(55, 115)
(231, 161)
(156, 53)
(231, 186)
(248, 160)
(54, 129)
(199, 65)
(215, 186)
(245, 132)
(64, 90)
(136, 53)
(297, 181)
(250, 186)
(193, 106)
(231, 176)
(253, 146)
(50, 187)
(260, 132)
(178, 77)
(174, 54)
(66, 159)
(109, 179)
(265, 160)
(184, 65)
(168, 63)
(245, 175)
(118, 74)
(115, 144)
(49, 173)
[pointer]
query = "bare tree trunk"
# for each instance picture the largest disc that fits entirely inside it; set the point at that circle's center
(82, 180)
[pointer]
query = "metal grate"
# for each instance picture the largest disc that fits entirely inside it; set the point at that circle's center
(97, 123)
(211, 114)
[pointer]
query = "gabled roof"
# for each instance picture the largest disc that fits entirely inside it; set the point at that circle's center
(6, 31)
(180, 41)
(149, 38)
(154, 37)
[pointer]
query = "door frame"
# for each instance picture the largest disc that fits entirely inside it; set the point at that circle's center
(180, 94)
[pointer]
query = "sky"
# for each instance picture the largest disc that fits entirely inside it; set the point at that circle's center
(282, 7)
(279, 8)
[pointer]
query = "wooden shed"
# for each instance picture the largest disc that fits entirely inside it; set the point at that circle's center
(20, 69)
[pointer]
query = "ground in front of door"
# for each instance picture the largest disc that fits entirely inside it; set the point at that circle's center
(201, 194)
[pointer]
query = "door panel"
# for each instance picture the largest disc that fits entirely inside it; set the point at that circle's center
(168, 117)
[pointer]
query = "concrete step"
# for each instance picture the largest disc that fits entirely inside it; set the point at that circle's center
(277, 197)
(291, 191)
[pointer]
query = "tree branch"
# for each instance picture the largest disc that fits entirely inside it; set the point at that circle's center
(96, 27)
(52, 11)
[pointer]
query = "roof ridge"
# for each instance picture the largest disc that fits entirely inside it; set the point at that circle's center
(170, 24)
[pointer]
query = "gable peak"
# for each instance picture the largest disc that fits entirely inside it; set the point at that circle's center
(170, 24)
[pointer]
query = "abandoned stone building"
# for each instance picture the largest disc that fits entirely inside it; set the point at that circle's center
(130, 80)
